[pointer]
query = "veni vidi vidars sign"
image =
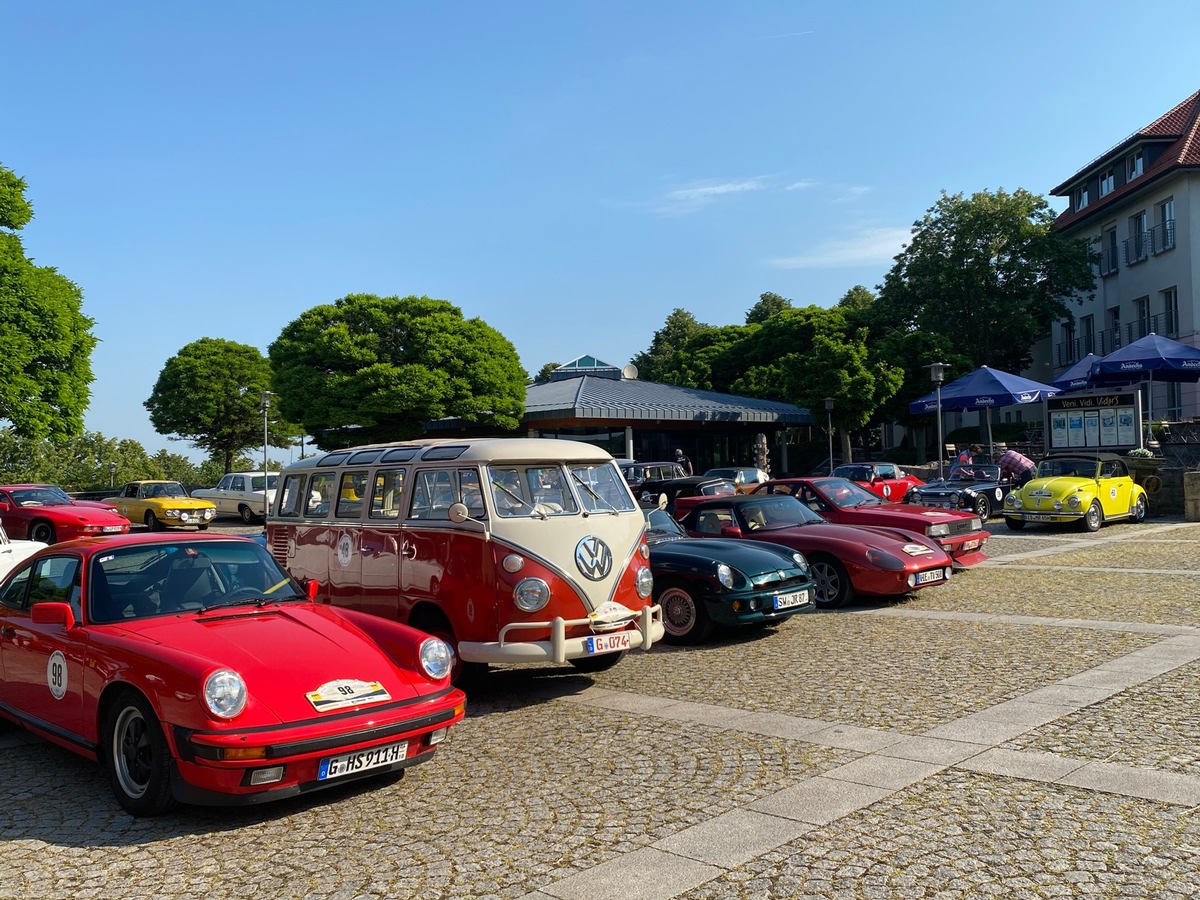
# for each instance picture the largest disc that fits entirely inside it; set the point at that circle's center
(1109, 421)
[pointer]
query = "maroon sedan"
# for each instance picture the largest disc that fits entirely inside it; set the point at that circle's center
(43, 512)
(958, 532)
(845, 560)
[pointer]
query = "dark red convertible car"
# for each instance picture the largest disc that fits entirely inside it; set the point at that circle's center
(844, 502)
(845, 561)
(195, 669)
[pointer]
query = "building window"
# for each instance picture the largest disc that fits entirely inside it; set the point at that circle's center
(1107, 182)
(1087, 335)
(1081, 197)
(1174, 401)
(1066, 352)
(1133, 165)
(1137, 247)
(1140, 327)
(1108, 252)
(1170, 311)
(1114, 330)
(1162, 236)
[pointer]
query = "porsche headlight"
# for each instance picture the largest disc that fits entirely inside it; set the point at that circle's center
(436, 657)
(531, 594)
(725, 576)
(883, 560)
(225, 693)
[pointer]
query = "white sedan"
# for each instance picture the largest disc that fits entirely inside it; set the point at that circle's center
(241, 494)
(12, 553)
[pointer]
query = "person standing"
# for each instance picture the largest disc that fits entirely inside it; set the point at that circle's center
(683, 461)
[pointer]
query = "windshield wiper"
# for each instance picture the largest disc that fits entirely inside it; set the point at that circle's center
(531, 507)
(587, 487)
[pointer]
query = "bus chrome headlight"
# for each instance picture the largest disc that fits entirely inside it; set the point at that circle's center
(436, 657)
(225, 693)
(531, 594)
(645, 582)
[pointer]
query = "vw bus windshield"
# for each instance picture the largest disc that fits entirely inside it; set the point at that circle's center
(530, 491)
(601, 489)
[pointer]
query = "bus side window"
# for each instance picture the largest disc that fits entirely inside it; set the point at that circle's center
(385, 495)
(350, 495)
(293, 490)
(319, 493)
(471, 493)
(432, 495)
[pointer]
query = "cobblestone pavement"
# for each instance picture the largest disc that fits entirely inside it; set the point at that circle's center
(1031, 729)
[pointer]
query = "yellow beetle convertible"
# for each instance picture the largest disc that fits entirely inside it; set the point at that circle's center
(160, 504)
(1083, 487)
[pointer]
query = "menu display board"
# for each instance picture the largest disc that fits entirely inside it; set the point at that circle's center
(1097, 421)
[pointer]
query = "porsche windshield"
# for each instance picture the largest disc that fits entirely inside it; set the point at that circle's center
(778, 511)
(846, 494)
(41, 496)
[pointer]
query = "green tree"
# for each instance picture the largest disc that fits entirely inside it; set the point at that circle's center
(768, 305)
(653, 362)
(370, 368)
(544, 371)
(990, 272)
(45, 364)
(210, 393)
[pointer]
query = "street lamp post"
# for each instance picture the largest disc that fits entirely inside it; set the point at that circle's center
(937, 372)
(829, 422)
(112, 474)
(265, 406)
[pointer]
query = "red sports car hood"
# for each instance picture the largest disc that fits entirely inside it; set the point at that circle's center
(283, 652)
(887, 539)
(902, 515)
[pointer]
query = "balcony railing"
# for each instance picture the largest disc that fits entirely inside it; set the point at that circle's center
(1137, 248)
(1162, 237)
(1108, 261)
(1105, 342)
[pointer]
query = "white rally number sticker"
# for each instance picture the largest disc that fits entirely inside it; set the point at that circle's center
(56, 674)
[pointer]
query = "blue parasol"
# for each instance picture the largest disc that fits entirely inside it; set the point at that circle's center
(1078, 376)
(983, 389)
(1150, 358)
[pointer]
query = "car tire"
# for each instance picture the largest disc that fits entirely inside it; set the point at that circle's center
(982, 507)
(153, 523)
(246, 513)
(137, 757)
(43, 531)
(602, 663)
(1140, 509)
(434, 622)
(1093, 518)
(832, 582)
(685, 618)
(1014, 524)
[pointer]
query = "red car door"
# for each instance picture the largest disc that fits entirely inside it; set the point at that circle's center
(43, 664)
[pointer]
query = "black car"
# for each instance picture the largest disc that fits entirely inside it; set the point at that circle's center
(978, 488)
(664, 493)
(638, 473)
(703, 582)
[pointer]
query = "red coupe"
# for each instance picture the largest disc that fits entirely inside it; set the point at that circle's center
(43, 512)
(887, 480)
(195, 669)
(958, 532)
(844, 560)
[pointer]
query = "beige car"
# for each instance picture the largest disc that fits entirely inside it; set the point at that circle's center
(162, 504)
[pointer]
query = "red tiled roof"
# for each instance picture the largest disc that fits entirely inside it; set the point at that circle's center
(1182, 123)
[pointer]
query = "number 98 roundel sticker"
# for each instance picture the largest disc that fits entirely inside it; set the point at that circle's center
(56, 674)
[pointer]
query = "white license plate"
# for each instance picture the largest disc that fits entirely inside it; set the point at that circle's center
(112, 529)
(971, 545)
(362, 761)
(787, 601)
(1037, 517)
(607, 643)
(931, 575)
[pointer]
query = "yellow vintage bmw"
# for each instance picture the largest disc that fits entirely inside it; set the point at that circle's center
(160, 504)
(1087, 488)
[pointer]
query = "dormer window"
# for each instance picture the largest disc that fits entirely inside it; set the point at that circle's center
(1081, 197)
(1133, 165)
(1107, 182)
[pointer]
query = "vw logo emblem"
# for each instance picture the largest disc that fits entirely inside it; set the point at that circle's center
(593, 557)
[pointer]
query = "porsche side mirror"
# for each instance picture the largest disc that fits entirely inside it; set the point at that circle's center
(52, 613)
(731, 531)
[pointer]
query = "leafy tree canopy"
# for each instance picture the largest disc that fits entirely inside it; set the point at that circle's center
(544, 371)
(370, 368)
(45, 365)
(210, 393)
(655, 361)
(768, 305)
(990, 272)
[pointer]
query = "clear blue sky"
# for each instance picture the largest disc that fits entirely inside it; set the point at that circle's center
(569, 172)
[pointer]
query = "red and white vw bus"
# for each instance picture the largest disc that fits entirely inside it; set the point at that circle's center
(513, 550)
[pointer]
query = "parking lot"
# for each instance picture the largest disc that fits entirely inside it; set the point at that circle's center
(1031, 729)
